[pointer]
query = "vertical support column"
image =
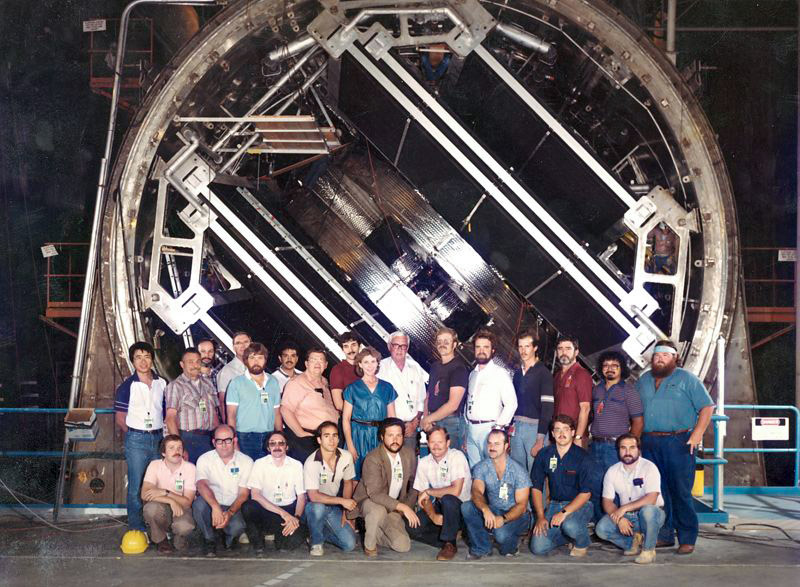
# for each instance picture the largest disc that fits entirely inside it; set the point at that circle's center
(797, 244)
(672, 18)
(720, 428)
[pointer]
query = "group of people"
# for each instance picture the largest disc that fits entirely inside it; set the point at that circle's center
(242, 454)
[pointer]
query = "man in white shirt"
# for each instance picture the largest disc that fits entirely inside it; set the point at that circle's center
(634, 525)
(241, 340)
(289, 356)
(491, 399)
(222, 490)
(408, 380)
(277, 498)
(444, 483)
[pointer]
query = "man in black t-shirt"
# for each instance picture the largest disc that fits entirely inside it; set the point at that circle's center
(447, 385)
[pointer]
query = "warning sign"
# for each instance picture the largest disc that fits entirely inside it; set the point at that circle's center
(770, 428)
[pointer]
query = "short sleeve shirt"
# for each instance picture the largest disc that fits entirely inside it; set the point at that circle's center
(342, 375)
(676, 403)
(256, 405)
(280, 485)
(180, 481)
(500, 492)
(310, 405)
(613, 408)
(196, 402)
(318, 475)
(454, 373)
(436, 475)
(224, 479)
(574, 473)
(572, 388)
(143, 404)
(631, 486)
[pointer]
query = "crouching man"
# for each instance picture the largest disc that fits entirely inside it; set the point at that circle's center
(635, 524)
(167, 492)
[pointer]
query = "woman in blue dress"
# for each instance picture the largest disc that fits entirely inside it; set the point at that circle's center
(367, 402)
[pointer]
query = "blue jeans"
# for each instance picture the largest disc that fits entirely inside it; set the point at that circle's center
(456, 428)
(201, 512)
(647, 520)
(604, 455)
(140, 449)
(525, 436)
(574, 527)
(676, 465)
(476, 442)
(507, 537)
(325, 525)
(196, 443)
(252, 444)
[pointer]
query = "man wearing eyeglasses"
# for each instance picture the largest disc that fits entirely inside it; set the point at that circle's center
(277, 498)
(222, 476)
(408, 380)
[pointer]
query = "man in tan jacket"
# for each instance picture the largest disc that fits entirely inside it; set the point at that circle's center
(386, 492)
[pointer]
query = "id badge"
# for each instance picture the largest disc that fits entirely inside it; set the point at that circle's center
(235, 471)
(323, 477)
(410, 404)
(148, 423)
(178, 485)
(277, 495)
(398, 473)
(503, 493)
(264, 397)
(443, 473)
(202, 405)
(553, 463)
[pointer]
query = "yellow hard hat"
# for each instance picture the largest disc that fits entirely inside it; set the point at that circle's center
(134, 542)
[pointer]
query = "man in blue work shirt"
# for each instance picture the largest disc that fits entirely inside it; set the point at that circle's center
(573, 480)
(677, 410)
(499, 504)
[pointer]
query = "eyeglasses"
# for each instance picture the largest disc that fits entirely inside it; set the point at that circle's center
(277, 443)
(225, 441)
(402, 347)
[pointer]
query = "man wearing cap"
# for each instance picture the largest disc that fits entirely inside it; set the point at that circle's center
(677, 410)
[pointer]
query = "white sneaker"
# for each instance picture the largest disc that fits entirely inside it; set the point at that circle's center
(243, 539)
(317, 550)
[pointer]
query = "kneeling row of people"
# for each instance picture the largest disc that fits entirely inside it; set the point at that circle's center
(400, 497)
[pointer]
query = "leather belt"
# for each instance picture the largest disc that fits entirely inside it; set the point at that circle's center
(374, 423)
(605, 439)
(481, 421)
(154, 431)
(675, 433)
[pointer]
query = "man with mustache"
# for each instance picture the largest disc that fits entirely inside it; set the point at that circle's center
(572, 478)
(499, 504)
(344, 372)
(209, 366)
(634, 525)
(386, 495)
(677, 410)
(277, 498)
(491, 400)
(572, 385)
(289, 356)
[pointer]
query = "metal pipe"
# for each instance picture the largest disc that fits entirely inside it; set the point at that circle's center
(797, 248)
(292, 49)
(367, 12)
(720, 429)
(263, 100)
(672, 18)
(99, 205)
(525, 38)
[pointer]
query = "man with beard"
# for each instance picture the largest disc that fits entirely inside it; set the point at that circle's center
(572, 479)
(444, 404)
(408, 380)
(491, 401)
(636, 482)
(344, 373)
(499, 504)
(277, 498)
(573, 387)
(209, 366)
(677, 410)
(254, 401)
(288, 355)
(386, 495)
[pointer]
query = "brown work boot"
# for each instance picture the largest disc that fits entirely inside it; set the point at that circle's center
(447, 552)
(647, 557)
(164, 547)
(371, 552)
(636, 545)
(578, 552)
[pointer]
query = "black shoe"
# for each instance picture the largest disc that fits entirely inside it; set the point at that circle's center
(257, 549)
(209, 548)
(665, 543)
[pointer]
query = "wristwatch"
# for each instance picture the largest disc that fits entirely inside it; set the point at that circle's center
(564, 511)
(579, 437)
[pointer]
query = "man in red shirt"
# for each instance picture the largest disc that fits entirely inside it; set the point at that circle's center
(572, 387)
(344, 373)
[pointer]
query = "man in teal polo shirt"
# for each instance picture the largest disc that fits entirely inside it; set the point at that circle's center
(677, 410)
(254, 401)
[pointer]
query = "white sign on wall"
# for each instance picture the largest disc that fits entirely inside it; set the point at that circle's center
(787, 255)
(770, 428)
(93, 26)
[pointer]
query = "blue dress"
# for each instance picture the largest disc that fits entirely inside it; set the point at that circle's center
(369, 406)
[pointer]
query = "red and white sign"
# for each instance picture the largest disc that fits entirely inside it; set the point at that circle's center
(770, 428)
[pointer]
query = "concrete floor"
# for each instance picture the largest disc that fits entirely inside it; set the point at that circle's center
(33, 555)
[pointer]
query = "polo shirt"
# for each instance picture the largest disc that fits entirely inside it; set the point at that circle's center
(255, 411)
(409, 385)
(490, 394)
(280, 485)
(143, 404)
(342, 375)
(180, 481)
(613, 408)
(228, 373)
(567, 476)
(500, 492)
(533, 388)
(572, 387)
(224, 479)
(436, 475)
(317, 474)
(310, 406)
(454, 373)
(675, 405)
(196, 402)
(283, 378)
(632, 485)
